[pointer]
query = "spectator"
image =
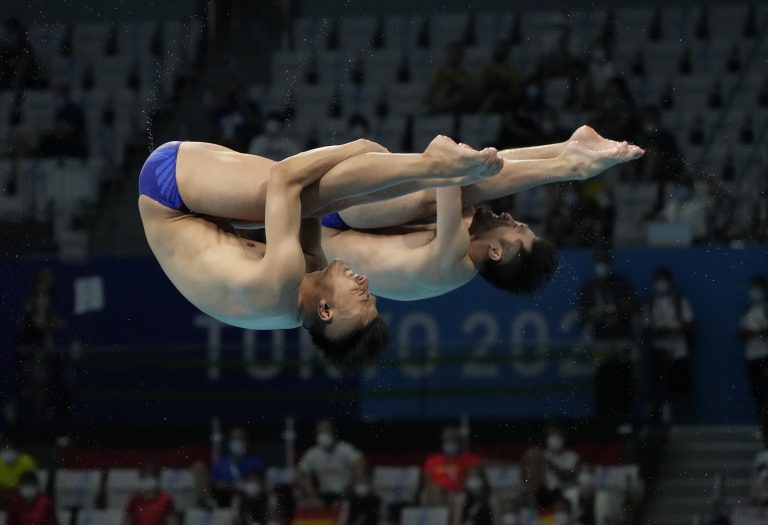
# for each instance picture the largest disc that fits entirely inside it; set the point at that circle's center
(451, 89)
(754, 333)
(509, 512)
(445, 471)
(549, 471)
(327, 469)
(608, 304)
(42, 392)
(662, 161)
(273, 144)
(668, 324)
(362, 506)
(562, 512)
(150, 506)
(758, 494)
(29, 505)
(684, 205)
(254, 503)
(228, 472)
(67, 138)
(499, 82)
(19, 68)
(474, 505)
(13, 464)
(584, 510)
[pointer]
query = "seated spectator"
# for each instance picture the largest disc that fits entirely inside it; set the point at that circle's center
(549, 471)
(67, 138)
(499, 82)
(228, 472)
(19, 68)
(150, 506)
(451, 89)
(12, 465)
(273, 144)
(663, 161)
(758, 494)
(445, 472)
(254, 503)
(327, 469)
(29, 505)
(475, 505)
(361, 506)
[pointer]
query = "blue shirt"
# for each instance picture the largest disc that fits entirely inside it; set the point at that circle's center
(229, 469)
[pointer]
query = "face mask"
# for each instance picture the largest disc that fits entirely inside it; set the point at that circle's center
(602, 269)
(271, 127)
(586, 479)
(149, 484)
(28, 492)
(554, 442)
(325, 439)
(661, 286)
(237, 447)
(8, 456)
(510, 518)
(251, 488)
(450, 448)
(474, 484)
(756, 295)
(362, 489)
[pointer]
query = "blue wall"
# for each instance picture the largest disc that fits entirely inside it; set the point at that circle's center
(149, 353)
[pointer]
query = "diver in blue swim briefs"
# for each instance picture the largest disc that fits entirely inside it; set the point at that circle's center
(187, 188)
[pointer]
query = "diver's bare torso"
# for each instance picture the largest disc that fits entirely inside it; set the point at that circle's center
(201, 256)
(395, 262)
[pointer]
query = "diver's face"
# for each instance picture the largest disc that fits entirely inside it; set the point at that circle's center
(502, 227)
(347, 292)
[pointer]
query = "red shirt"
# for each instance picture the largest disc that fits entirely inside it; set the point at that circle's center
(155, 511)
(448, 472)
(39, 511)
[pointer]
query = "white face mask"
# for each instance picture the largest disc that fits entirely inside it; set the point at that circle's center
(510, 518)
(8, 456)
(149, 484)
(474, 484)
(554, 442)
(362, 489)
(450, 448)
(756, 295)
(661, 286)
(602, 269)
(586, 479)
(325, 439)
(251, 488)
(28, 492)
(237, 447)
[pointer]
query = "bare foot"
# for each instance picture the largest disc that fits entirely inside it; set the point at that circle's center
(584, 162)
(590, 138)
(460, 164)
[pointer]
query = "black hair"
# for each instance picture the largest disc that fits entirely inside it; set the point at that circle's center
(355, 351)
(524, 272)
(29, 477)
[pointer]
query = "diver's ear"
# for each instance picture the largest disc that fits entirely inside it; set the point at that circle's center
(324, 311)
(494, 252)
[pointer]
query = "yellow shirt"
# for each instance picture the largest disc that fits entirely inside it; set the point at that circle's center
(10, 474)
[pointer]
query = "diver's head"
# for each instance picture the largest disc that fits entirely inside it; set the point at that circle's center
(509, 255)
(340, 314)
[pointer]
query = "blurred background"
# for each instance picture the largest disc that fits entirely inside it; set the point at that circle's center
(634, 389)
